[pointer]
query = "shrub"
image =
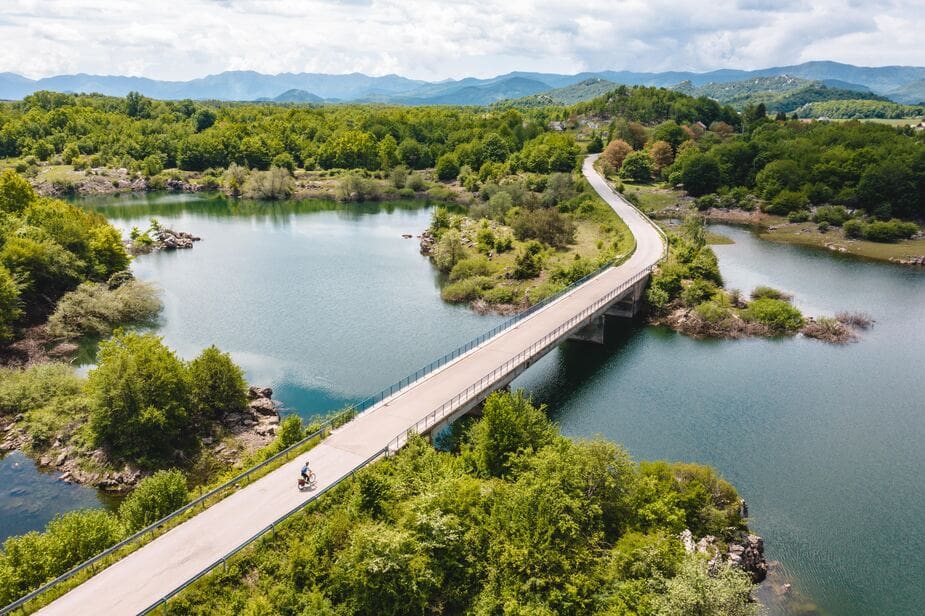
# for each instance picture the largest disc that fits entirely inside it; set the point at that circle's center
(778, 315)
(29, 560)
(853, 228)
(471, 266)
(889, 231)
(217, 385)
(501, 295)
(546, 225)
(269, 185)
(22, 390)
(141, 395)
(449, 251)
(285, 161)
(155, 497)
(576, 270)
(798, 216)
(354, 187)
(713, 311)
(466, 290)
(529, 263)
(834, 215)
(10, 310)
(707, 202)
(762, 292)
(787, 201)
(697, 291)
(447, 167)
(95, 309)
(637, 166)
(416, 182)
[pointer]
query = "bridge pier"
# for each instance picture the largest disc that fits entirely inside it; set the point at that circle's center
(628, 306)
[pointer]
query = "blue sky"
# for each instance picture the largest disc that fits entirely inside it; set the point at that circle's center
(431, 39)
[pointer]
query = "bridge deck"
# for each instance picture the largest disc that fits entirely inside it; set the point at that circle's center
(143, 577)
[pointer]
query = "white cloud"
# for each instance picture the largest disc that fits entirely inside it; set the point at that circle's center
(434, 39)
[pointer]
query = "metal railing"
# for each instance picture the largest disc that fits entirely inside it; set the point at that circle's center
(474, 391)
(487, 382)
(478, 388)
(156, 526)
(223, 561)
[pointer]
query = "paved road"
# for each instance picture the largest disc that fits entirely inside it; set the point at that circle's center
(143, 577)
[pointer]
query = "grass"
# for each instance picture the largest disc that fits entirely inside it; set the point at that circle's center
(806, 234)
(717, 239)
(652, 197)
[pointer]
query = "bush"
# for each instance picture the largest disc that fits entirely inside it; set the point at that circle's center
(141, 395)
(95, 309)
(269, 185)
(399, 176)
(501, 295)
(778, 315)
(835, 215)
(713, 311)
(447, 167)
(762, 292)
(890, 231)
(153, 498)
(546, 225)
(416, 182)
(471, 266)
(798, 216)
(217, 385)
(22, 390)
(697, 291)
(354, 187)
(637, 166)
(529, 263)
(466, 290)
(10, 310)
(30, 560)
(853, 228)
(449, 251)
(285, 161)
(787, 201)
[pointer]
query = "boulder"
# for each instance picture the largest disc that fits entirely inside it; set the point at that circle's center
(62, 458)
(254, 392)
(263, 406)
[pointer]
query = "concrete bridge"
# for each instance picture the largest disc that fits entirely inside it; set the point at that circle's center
(141, 579)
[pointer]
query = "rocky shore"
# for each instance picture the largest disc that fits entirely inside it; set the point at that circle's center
(228, 440)
(164, 239)
(745, 552)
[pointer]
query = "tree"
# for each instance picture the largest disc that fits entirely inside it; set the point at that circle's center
(217, 385)
(662, 155)
(615, 153)
(153, 498)
(141, 398)
(700, 174)
(10, 310)
(203, 119)
(637, 167)
(284, 160)
(413, 154)
(15, 192)
(447, 167)
(388, 153)
(510, 424)
(449, 251)
(670, 132)
(529, 262)
(695, 590)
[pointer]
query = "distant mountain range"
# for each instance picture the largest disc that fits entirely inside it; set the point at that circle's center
(902, 83)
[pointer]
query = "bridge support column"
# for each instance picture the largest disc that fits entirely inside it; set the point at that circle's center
(592, 332)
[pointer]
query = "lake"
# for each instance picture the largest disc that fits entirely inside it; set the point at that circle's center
(328, 303)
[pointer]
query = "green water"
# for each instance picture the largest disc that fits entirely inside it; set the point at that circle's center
(328, 304)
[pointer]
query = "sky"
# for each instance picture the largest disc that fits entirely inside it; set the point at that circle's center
(433, 40)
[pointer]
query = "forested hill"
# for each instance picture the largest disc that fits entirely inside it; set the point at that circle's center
(778, 94)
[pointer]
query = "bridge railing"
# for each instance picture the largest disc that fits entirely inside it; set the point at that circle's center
(437, 415)
(487, 382)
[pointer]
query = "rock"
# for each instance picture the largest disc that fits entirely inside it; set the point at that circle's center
(61, 459)
(254, 392)
(263, 406)
(274, 420)
(687, 539)
(219, 449)
(407, 236)
(743, 508)
(249, 423)
(232, 419)
(207, 440)
(66, 477)
(44, 461)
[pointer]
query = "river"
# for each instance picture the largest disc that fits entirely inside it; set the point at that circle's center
(328, 303)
